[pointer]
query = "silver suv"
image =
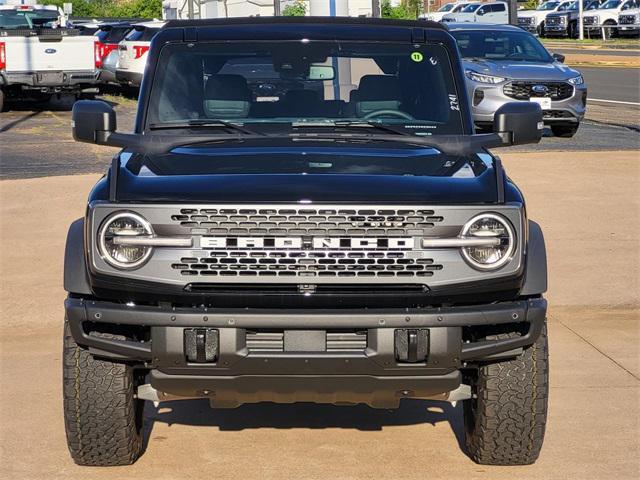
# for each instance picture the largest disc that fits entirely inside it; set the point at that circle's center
(504, 63)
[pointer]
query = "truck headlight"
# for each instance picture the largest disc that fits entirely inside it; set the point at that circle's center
(576, 80)
(489, 225)
(124, 225)
(482, 78)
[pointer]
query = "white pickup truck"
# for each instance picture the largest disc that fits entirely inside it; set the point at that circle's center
(38, 57)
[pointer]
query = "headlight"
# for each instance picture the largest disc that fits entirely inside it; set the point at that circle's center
(576, 80)
(481, 78)
(489, 225)
(124, 225)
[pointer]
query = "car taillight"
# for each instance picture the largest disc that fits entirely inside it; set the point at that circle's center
(97, 53)
(140, 50)
(3, 56)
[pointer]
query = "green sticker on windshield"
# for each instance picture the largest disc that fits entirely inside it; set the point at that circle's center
(417, 57)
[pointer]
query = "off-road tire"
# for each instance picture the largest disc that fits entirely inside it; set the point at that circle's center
(505, 423)
(102, 417)
(564, 131)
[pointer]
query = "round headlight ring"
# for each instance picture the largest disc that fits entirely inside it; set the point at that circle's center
(104, 249)
(510, 234)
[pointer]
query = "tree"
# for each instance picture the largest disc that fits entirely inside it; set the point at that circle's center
(408, 9)
(296, 9)
(114, 8)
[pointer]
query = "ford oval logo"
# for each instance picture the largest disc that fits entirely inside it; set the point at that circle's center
(542, 89)
(50, 50)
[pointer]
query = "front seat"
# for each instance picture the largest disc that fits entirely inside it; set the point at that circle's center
(377, 92)
(226, 96)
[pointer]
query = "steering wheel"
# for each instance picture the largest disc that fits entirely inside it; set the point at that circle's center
(386, 113)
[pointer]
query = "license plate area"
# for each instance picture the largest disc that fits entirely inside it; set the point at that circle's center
(544, 102)
(50, 78)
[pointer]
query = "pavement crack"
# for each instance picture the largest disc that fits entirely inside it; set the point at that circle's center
(597, 349)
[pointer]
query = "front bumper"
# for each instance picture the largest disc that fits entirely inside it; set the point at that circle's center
(556, 30)
(629, 29)
(567, 111)
(52, 81)
(241, 374)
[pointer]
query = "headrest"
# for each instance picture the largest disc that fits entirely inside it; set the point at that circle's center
(378, 87)
(301, 96)
(227, 87)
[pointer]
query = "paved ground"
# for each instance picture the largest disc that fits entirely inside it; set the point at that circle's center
(617, 52)
(590, 208)
(621, 84)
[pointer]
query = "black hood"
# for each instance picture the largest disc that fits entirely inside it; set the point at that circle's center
(382, 172)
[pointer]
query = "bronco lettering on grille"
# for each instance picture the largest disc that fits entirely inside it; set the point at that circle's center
(319, 243)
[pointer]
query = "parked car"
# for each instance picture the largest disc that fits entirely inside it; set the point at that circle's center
(320, 246)
(604, 21)
(108, 38)
(38, 57)
(489, 13)
(132, 52)
(533, 20)
(629, 22)
(453, 7)
(564, 22)
(503, 63)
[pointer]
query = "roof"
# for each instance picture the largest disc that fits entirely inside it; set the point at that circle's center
(484, 26)
(306, 21)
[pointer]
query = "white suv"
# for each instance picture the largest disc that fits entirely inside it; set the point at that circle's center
(132, 52)
(453, 7)
(491, 12)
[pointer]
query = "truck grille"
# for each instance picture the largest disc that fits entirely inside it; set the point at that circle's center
(525, 20)
(281, 263)
(554, 21)
(627, 19)
(589, 21)
(307, 221)
(521, 90)
(336, 342)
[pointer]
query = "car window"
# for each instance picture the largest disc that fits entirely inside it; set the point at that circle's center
(610, 4)
(141, 34)
(401, 84)
(548, 6)
(498, 7)
(12, 19)
(492, 45)
(113, 34)
(446, 7)
(471, 8)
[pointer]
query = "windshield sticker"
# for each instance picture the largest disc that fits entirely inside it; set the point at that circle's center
(417, 57)
(453, 103)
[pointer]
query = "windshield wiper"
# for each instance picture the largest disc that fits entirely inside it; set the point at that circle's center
(203, 124)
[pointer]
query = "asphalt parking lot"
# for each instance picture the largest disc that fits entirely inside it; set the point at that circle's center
(583, 191)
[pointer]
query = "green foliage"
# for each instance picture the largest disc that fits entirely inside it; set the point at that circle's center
(530, 4)
(408, 9)
(111, 8)
(295, 9)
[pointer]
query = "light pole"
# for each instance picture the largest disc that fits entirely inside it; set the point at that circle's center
(580, 24)
(276, 8)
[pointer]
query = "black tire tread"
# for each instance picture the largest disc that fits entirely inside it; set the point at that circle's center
(508, 425)
(100, 408)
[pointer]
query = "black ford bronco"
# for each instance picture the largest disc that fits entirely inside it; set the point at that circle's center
(303, 213)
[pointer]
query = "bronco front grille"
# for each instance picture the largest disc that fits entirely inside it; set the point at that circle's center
(524, 90)
(307, 221)
(281, 263)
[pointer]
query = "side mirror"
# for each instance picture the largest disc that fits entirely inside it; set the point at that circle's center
(558, 57)
(92, 121)
(518, 123)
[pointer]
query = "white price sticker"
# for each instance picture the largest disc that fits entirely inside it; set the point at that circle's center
(544, 102)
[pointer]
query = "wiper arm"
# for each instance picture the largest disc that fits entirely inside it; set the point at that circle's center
(203, 124)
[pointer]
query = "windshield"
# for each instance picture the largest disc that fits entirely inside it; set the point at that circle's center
(567, 6)
(13, 19)
(446, 7)
(511, 46)
(471, 8)
(610, 4)
(302, 84)
(548, 6)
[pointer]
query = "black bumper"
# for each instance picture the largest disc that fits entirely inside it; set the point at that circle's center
(51, 81)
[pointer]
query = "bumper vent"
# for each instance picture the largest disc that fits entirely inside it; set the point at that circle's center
(336, 342)
(525, 90)
(303, 221)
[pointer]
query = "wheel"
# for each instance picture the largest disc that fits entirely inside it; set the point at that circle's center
(573, 30)
(540, 29)
(564, 131)
(505, 422)
(102, 417)
(608, 33)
